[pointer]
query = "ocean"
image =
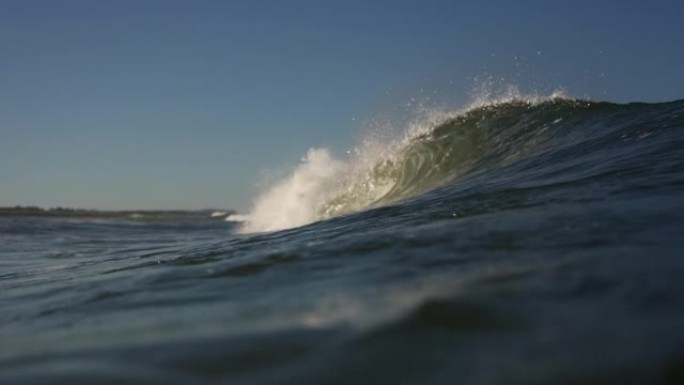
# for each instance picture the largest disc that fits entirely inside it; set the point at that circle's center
(519, 241)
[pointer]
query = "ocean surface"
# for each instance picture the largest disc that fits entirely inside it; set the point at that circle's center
(521, 241)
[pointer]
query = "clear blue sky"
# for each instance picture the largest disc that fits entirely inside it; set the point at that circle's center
(183, 104)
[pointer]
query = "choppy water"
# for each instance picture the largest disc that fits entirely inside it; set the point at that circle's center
(513, 243)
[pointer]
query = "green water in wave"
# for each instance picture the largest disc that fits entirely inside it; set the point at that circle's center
(477, 140)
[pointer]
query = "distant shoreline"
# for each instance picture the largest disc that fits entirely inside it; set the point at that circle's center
(61, 212)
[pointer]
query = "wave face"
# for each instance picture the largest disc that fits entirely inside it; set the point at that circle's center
(439, 149)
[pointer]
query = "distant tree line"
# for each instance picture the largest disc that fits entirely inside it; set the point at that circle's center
(52, 211)
(131, 214)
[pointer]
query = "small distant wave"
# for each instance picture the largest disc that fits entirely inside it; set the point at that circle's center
(237, 218)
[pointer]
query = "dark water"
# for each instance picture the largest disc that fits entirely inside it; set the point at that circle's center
(520, 244)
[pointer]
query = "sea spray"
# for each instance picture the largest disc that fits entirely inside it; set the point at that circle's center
(322, 186)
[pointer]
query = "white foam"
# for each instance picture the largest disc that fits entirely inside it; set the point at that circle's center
(293, 201)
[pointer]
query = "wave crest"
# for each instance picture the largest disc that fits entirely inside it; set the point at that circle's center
(434, 150)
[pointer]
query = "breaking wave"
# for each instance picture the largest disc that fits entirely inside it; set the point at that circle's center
(436, 149)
